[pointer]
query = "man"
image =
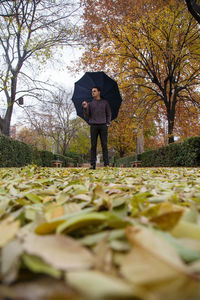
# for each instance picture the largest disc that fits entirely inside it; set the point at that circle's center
(99, 114)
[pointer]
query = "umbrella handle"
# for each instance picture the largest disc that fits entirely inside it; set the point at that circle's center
(84, 104)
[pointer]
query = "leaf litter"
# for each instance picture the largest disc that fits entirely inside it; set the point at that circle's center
(111, 233)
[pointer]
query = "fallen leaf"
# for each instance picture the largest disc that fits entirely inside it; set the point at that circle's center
(186, 229)
(33, 198)
(8, 230)
(57, 212)
(98, 285)
(154, 265)
(167, 221)
(36, 265)
(48, 227)
(10, 261)
(59, 251)
(39, 288)
(81, 220)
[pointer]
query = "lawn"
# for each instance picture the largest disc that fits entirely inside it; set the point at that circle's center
(110, 233)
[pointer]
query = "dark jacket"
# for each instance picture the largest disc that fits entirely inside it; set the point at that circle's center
(98, 112)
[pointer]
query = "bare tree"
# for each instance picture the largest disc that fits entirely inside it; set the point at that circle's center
(29, 29)
(58, 112)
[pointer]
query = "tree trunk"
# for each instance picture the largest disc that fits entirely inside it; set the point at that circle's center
(121, 153)
(5, 122)
(140, 141)
(170, 118)
(10, 101)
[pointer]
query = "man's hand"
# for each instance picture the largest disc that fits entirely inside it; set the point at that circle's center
(84, 104)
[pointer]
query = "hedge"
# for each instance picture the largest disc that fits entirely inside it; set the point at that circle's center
(125, 161)
(14, 153)
(66, 161)
(46, 157)
(186, 154)
(75, 157)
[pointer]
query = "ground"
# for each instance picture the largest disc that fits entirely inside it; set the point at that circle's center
(120, 233)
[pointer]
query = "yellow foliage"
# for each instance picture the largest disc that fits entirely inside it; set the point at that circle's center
(154, 50)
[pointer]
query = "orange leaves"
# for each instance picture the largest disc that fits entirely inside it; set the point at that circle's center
(121, 136)
(152, 50)
(187, 120)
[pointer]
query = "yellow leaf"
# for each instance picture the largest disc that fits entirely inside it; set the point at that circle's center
(48, 227)
(57, 212)
(59, 251)
(186, 229)
(98, 285)
(154, 264)
(8, 230)
(47, 199)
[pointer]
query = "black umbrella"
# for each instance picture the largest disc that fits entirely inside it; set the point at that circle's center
(109, 91)
(194, 9)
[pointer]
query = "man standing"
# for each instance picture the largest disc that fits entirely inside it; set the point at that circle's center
(99, 114)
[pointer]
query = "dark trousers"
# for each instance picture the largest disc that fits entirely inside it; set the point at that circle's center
(102, 131)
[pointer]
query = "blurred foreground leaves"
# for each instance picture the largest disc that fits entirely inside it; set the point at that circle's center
(103, 234)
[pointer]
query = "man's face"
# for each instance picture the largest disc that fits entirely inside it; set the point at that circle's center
(95, 93)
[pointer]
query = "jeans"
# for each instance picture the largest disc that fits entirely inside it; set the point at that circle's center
(102, 131)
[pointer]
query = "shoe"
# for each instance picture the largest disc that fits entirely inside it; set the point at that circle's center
(106, 165)
(92, 168)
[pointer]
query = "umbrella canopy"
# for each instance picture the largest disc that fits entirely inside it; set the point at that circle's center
(194, 8)
(109, 92)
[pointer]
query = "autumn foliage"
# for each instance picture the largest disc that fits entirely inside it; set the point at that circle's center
(152, 50)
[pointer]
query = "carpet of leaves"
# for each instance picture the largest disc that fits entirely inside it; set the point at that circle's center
(110, 233)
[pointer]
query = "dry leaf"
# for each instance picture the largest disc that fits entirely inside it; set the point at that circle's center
(97, 285)
(8, 230)
(153, 264)
(59, 251)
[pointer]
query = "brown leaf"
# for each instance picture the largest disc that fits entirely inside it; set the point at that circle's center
(167, 221)
(41, 289)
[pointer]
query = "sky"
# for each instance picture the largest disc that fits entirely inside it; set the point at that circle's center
(56, 71)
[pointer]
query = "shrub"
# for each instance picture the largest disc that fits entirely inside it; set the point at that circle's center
(46, 158)
(125, 161)
(191, 152)
(16, 154)
(65, 160)
(76, 158)
(173, 155)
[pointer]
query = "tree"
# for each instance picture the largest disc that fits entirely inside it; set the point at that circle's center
(31, 137)
(29, 29)
(80, 142)
(123, 131)
(187, 122)
(57, 112)
(150, 48)
(121, 136)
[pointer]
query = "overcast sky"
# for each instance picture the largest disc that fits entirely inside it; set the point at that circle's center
(56, 71)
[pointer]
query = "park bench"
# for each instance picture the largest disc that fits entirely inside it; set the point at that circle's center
(56, 163)
(136, 164)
